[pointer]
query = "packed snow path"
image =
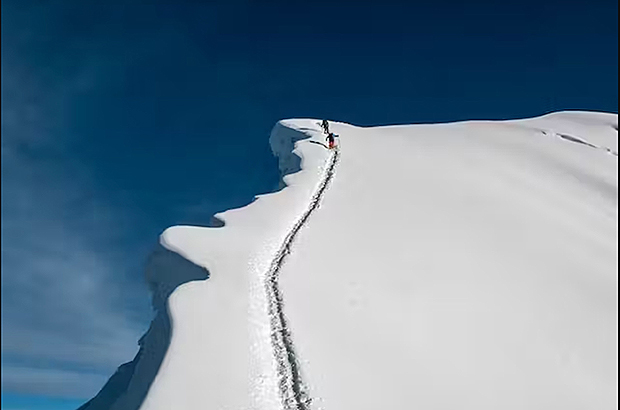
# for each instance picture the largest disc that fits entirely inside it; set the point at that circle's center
(292, 389)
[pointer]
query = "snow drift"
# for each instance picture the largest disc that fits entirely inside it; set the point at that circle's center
(468, 265)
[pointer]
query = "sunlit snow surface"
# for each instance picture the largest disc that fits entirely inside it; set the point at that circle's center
(456, 266)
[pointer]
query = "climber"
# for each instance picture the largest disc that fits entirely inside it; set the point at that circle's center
(325, 126)
(331, 140)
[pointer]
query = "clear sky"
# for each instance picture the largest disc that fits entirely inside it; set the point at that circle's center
(120, 119)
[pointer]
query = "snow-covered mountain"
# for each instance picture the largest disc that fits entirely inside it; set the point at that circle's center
(469, 265)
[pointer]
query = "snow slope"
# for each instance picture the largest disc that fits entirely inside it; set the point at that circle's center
(468, 265)
(221, 354)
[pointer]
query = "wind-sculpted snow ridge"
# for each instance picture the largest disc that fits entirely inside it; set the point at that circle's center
(210, 344)
(292, 389)
(127, 388)
(578, 140)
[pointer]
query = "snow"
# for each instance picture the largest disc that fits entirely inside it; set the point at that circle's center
(470, 265)
(467, 265)
(220, 355)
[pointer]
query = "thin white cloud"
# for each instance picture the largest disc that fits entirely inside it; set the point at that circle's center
(64, 328)
(51, 382)
(59, 293)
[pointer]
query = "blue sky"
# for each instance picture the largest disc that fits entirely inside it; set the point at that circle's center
(120, 119)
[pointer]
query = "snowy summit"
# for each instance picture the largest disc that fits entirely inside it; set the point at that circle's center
(466, 265)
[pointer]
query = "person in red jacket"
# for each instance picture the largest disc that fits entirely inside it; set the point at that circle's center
(331, 140)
